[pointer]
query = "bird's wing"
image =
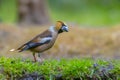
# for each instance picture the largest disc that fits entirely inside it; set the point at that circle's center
(39, 40)
(31, 44)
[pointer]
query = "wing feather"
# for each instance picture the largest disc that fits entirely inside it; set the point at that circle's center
(41, 39)
(31, 44)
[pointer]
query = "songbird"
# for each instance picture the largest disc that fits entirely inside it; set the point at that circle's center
(45, 40)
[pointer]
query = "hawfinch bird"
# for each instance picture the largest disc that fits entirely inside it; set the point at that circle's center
(45, 40)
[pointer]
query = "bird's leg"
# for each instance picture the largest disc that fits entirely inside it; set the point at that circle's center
(40, 59)
(34, 57)
(38, 54)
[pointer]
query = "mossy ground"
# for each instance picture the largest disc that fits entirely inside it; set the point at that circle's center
(65, 69)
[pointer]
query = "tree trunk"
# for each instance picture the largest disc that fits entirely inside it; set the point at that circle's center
(33, 12)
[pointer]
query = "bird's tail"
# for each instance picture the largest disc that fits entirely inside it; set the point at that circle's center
(12, 50)
(23, 48)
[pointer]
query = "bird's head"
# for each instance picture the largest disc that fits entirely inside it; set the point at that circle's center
(61, 27)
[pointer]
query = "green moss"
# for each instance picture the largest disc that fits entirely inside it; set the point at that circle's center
(14, 68)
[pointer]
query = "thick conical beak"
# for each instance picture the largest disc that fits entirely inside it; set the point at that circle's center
(65, 28)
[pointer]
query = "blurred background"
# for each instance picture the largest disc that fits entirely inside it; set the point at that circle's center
(94, 26)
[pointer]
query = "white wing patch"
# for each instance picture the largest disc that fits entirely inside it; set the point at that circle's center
(45, 39)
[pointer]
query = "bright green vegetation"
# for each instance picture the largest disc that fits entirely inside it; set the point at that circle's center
(66, 69)
(83, 12)
(86, 12)
(8, 11)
